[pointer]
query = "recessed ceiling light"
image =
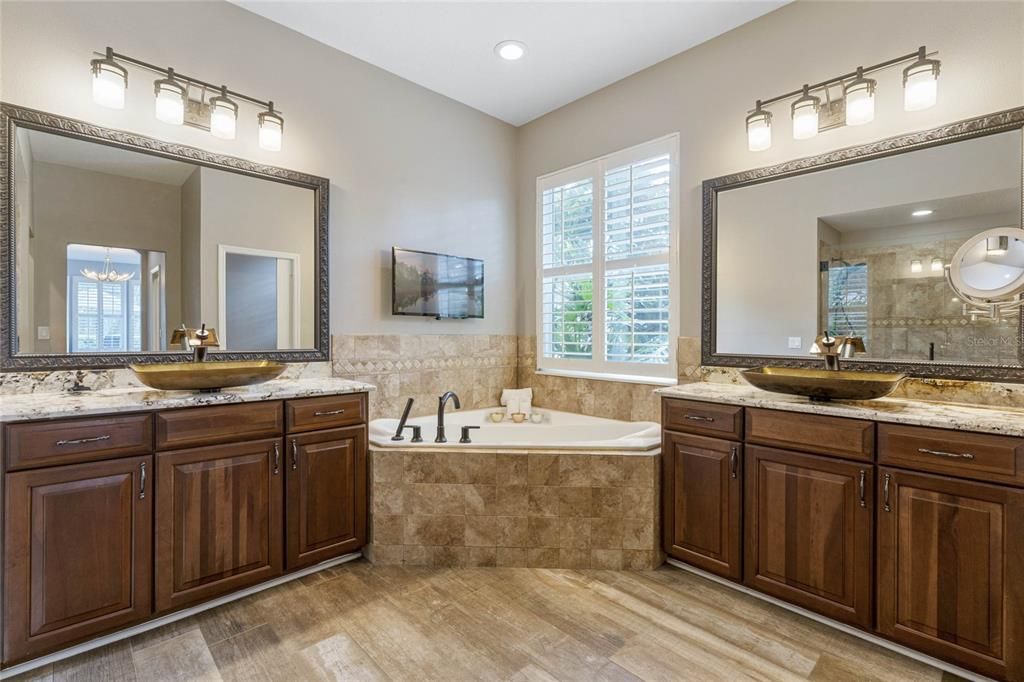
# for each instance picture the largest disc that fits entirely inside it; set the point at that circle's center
(510, 50)
(922, 212)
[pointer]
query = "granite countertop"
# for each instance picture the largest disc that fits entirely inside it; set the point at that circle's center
(1005, 421)
(50, 405)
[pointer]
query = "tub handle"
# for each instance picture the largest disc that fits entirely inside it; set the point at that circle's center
(417, 432)
(698, 418)
(465, 433)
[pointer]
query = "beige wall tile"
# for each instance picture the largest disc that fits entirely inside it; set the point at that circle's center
(544, 501)
(544, 531)
(511, 557)
(606, 559)
(543, 558)
(574, 501)
(513, 500)
(543, 469)
(480, 500)
(435, 530)
(512, 531)
(573, 533)
(511, 469)
(574, 470)
(481, 531)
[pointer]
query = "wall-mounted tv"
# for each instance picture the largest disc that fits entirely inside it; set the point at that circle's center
(436, 285)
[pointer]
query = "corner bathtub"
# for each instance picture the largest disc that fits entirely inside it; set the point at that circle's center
(559, 431)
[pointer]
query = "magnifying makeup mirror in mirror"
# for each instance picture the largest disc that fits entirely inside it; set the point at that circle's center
(989, 267)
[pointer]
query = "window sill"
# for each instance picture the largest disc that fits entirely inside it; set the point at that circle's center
(601, 376)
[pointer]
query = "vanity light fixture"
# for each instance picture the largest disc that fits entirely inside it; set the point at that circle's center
(915, 265)
(937, 265)
(921, 212)
(219, 114)
(860, 99)
(109, 81)
(856, 106)
(510, 50)
(271, 126)
(170, 99)
(921, 82)
(223, 115)
(759, 129)
(805, 115)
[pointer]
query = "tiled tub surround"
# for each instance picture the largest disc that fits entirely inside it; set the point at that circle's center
(423, 366)
(514, 508)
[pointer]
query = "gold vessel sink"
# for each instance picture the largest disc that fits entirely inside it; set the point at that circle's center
(207, 377)
(823, 384)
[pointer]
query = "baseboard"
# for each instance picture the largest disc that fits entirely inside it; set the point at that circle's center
(169, 618)
(834, 624)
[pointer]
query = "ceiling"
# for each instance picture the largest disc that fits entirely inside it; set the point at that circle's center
(995, 208)
(572, 48)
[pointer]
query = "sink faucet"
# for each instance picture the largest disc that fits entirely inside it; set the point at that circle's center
(441, 402)
(832, 347)
(199, 341)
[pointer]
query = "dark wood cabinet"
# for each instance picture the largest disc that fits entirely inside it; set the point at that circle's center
(809, 532)
(702, 497)
(951, 569)
(78, 553)
(326, 499)
(219, 520)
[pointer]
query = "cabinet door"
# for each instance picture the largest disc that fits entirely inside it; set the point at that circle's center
(218, 520)
(950, 567)
(78, 543)
(326, 504)
(702, 491)
(808, 531)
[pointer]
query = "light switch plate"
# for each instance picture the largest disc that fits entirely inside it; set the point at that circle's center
(796, 342)
(43, 333)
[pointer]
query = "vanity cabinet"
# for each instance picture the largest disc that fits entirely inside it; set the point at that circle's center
(808, 532)
(77, 552)
(950, 565)
(913, 533)
(115, 519)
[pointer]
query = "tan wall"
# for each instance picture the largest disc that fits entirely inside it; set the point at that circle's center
(72, 205)
(191, 250)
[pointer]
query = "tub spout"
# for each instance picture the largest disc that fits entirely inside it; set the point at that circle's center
(441, 402)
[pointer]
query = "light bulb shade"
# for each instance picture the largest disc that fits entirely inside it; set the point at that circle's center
(805, 116)
(915, 266)
(109, 81)
(860, 100)
(759, 130)
(223, 116)
(936, 265)
(920, 83)
(170, 100)
(271, 130)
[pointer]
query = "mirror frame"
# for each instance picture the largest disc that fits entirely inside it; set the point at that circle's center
(13, 116)
(981, 126)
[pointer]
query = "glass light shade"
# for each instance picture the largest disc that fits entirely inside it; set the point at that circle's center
(860, 100)
(223, 116)
(271, 130)
(920, 83)
(170, 101)
(936, 265)
(759, 130)
(805, 116)
(510, 50)
(109, 81)
(915, 266)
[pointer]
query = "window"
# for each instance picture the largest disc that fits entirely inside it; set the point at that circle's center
(848, 299)
(103, 316)
(606, 234)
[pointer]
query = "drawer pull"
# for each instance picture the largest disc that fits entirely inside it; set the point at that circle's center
(697, 418)
(734, 460)
(885, 493)
(940, 453)
(295, 455)
(327, 413)
(277, 458)
(142, 480)
(81, 441)
(863, 486)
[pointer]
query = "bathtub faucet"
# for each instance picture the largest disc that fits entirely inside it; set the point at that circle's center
(441, 402)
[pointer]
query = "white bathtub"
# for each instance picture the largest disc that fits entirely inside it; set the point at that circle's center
(559, 431)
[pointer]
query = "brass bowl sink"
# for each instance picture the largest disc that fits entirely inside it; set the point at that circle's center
(207, 377)
(823, 384)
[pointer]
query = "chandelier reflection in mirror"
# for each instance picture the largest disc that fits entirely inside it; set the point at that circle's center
(174, 104)
(987, 274)
(108, 274)
(854, 103)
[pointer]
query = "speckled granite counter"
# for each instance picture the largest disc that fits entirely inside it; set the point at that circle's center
(1005, 421)
(133, 399)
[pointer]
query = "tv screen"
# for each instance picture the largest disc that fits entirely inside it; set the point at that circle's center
(436, 285)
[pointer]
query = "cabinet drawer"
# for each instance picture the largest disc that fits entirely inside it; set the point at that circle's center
(217, 424)
(838, 436)
(981, 456)
(311, 414)
(67, 441)
(708, 419)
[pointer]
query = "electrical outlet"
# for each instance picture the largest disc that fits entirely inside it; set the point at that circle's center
(796, 342)
(43, 333)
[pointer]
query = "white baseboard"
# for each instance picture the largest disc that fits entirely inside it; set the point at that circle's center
(169, 618)
(866, 636)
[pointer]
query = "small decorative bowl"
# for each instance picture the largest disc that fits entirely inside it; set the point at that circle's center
(496, 417)
(536, 417)
(518, 417)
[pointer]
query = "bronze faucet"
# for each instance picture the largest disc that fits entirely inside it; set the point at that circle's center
(199, 341)
(832, 347)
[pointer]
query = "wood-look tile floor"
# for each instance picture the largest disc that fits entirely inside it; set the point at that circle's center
(364, 622)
